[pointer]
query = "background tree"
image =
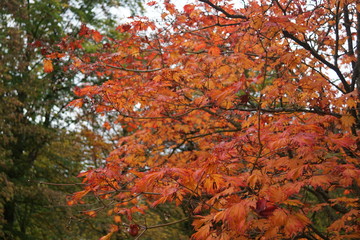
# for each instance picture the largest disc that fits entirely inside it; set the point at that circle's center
(36, 145)
(246, 116)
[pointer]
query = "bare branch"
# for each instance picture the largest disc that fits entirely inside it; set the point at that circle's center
(320, 58)
(286, 110)
(347, 25)
(337, 16)
(133, 70)
(229, 15)
(167, 224)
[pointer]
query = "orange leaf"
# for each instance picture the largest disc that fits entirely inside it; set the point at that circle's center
(202, 233)
(117, 219)
(152, 3)
(215, 51)
(76, 103)
(48, 66)
(90, 213)
(347, 121)
(107, 236)
(96, 36)
(199, 46)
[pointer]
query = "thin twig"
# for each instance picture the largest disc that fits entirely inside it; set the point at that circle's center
(229, 15)
(133, 70)
(168, 224)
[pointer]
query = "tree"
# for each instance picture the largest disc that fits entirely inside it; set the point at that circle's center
(33, 138)
(246, 116)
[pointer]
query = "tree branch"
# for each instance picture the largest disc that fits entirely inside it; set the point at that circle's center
(282, 110)
(229, 15)
(133, 70)
(356, 75)
(347, 25)
(323, 197)
(318, 232)
(306, 46)
(337, 16)
(168, 224)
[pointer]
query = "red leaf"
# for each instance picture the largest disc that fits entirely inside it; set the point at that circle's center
(84, 30)
(152, 3)
(124, 28)
(134, 230)
(264, 208)
(188, 8)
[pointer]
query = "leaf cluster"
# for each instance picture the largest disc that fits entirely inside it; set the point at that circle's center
(245, 116)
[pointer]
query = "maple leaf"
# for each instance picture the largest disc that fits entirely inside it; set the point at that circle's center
(188, 8)
(202, 233)
(96, 36)
(215, 51)
(107, 236)
(76, 103)
(48, 66)
(347, 121)
(264, 208)
(84, 30)
(230, 112)
(134, 230)
(152, 3)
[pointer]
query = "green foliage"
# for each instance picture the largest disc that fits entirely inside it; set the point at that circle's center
(35, 150)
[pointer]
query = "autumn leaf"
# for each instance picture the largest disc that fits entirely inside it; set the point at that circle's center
(90, 213)
(134, 230)
(76, 103)
(107, 236)
(229, 112)
(48, 66)
(202, 233)
(96, 36)
(188, 8)
(264, 208)
(214, 51)
(117, 219)
(347, 121)
(84, 30)
(152, 3)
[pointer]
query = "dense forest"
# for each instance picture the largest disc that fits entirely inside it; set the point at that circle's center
(218, 119)
(41, 152)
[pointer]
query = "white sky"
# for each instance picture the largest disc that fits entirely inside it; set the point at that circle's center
(152, 12)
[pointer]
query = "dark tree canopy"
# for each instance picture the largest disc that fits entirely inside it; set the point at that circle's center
(35, 144)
